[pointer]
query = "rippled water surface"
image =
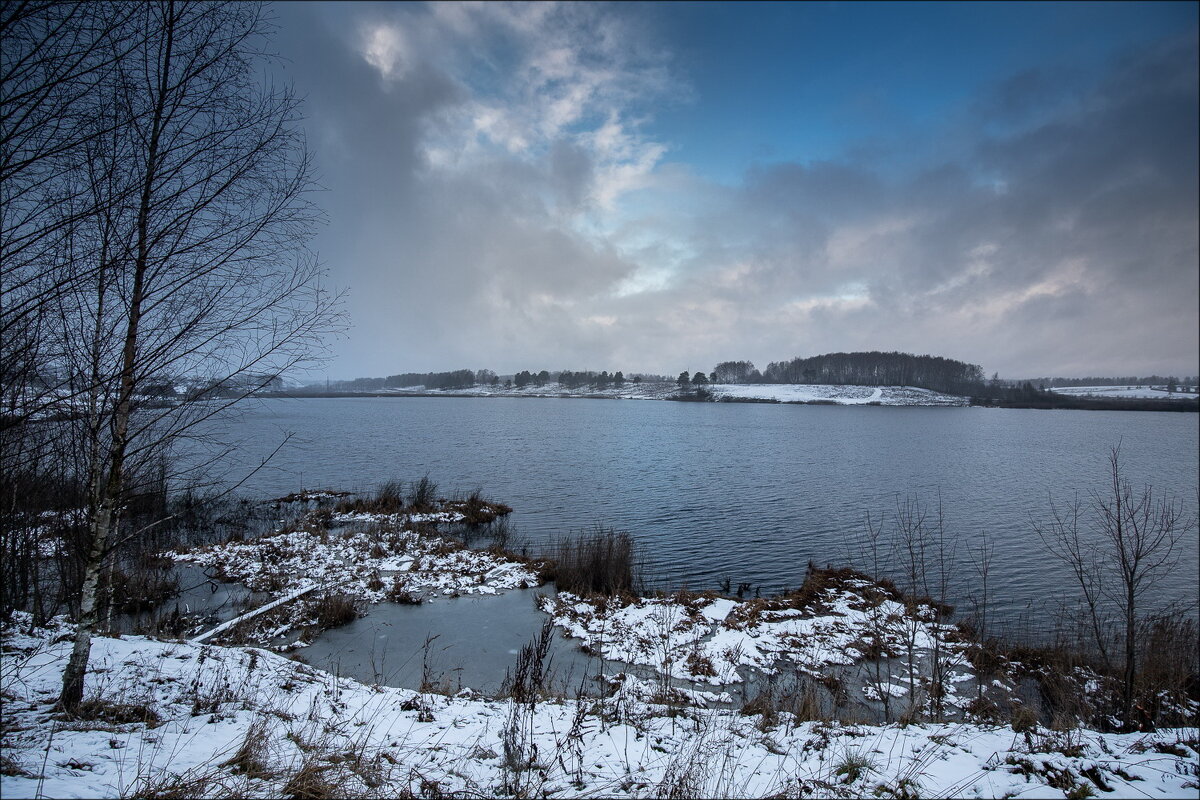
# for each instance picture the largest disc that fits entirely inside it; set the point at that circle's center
(739, 491)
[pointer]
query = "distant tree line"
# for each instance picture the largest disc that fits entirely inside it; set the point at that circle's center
(596, 380)
(455, 379)
(465, 379)
(526, 378)
(872, 368)
(861, 369)
(1150, 380)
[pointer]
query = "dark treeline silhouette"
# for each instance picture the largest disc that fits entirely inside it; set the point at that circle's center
(456, 379)
(1026, 395)
(1131, 380)
(597, 380)
(527, 378)
(465, 379)
(861, 369)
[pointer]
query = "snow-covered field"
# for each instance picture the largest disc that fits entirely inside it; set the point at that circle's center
(774, 392)
(1130, 392)
(649, 390)
(187, 720)
(841, 395)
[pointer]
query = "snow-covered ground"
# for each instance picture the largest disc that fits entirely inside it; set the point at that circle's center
(841, 395)
(182, 719)
(1130, 392)
(707, 638)
(775, 392)
(646, 390)
(366, 557)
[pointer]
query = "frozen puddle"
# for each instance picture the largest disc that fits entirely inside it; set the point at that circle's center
(473, 641)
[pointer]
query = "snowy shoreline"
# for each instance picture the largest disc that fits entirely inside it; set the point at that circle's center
(226, 722)
(185, 717)
(789, 394)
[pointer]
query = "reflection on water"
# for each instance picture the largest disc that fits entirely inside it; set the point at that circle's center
(200, 597)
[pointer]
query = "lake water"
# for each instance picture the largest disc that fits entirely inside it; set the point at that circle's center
(746, 492)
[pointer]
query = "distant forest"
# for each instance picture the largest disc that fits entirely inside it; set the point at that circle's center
(872, 368)
(1132, 380)
(866, 369)
(465, 379)
(861, 369)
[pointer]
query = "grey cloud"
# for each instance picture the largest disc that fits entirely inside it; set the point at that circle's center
(1068, 245)
(572, 173)
(1083, 260)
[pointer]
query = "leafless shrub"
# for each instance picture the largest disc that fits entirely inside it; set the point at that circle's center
(500, 533)
(517, 752)
(140, 587)
(10, 767)
(389, 498)
(527, 681)
(803, 703)
(984, 710)
(764, 705)
(1129, 544)
(1171, 678)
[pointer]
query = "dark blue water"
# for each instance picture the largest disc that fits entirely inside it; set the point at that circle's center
(741, 491)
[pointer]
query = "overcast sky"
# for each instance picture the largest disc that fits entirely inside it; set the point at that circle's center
(654, 188)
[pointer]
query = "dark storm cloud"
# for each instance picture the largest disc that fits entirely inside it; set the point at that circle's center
(495, 201)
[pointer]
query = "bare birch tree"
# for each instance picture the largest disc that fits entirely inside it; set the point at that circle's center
(1133, 544)
(176, 243)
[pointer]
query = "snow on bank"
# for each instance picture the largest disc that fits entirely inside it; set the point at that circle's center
(645, 390)
(367, 557)
(773, 392)
(707, 639)
(226, 722)
(351, 561)
(1126, 392)
(839, 395)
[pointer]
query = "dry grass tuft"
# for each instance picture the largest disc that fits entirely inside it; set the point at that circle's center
(600, 562)
(250, 759)
(311, 782)
(335, 610)
(98, 709)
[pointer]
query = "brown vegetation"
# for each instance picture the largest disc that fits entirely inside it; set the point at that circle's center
(600, 562)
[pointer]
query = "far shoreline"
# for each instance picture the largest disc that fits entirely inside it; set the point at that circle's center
(1055, 402)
